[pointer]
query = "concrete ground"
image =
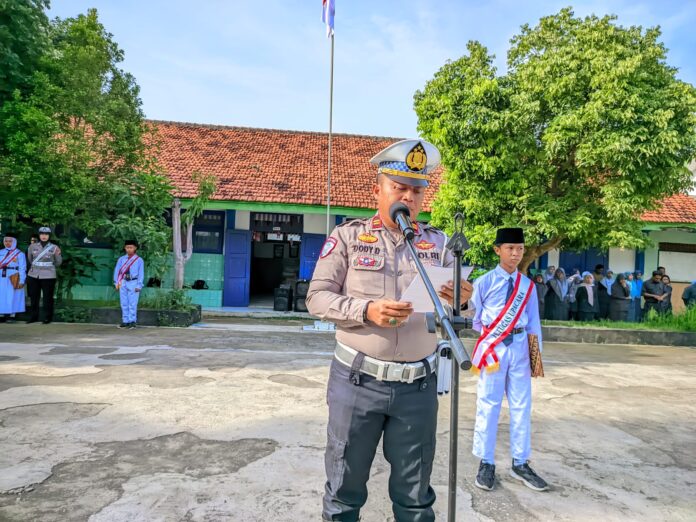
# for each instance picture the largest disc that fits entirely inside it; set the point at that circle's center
(227, 422)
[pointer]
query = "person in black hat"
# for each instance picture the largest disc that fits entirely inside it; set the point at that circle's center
(506, 313)
(129, 275)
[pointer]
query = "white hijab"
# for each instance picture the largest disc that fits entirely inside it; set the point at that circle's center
(14, 242)
(589, 287)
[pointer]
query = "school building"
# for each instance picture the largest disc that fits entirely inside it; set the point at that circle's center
(266, 223)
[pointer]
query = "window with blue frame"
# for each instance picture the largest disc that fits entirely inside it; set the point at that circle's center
(209, 232)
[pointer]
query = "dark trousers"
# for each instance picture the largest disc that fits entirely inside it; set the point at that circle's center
(35, 287)
(405, 415)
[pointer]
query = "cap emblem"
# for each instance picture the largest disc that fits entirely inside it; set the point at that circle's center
(416, 159)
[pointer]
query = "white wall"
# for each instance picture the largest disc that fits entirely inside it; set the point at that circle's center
(316, 223)
(554, 258)
(242, 219)
(622, 260)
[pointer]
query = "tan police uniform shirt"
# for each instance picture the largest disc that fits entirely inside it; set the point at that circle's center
(363, 261)
(51, 259)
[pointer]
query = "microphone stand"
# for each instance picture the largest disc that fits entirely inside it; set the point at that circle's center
(457, 245)
(450, 344)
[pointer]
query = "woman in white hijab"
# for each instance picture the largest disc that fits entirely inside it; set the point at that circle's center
(586, 299)
(13, 273)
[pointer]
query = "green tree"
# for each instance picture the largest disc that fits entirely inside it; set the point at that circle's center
(75, 148)
(23, 40)
(588, 128)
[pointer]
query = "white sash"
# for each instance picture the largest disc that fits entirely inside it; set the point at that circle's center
(126, 268)
(47, 250)
(484, 355)
(9, 257)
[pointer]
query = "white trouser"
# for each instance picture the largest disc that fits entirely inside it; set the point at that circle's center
(514, 380)
(129, 301)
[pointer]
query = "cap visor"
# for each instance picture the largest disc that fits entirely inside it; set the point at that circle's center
(415, 182)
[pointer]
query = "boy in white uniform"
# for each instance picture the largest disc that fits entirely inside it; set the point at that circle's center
(129, 275)
(506, 312)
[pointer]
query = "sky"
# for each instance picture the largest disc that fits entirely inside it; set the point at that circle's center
(266, 63)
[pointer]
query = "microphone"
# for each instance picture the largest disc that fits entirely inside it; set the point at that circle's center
(401, 215)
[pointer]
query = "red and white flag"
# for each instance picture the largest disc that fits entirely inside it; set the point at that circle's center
(328, 11)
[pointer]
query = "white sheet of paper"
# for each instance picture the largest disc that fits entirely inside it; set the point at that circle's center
(417, 294)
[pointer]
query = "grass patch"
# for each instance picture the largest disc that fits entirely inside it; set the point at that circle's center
(682, 322)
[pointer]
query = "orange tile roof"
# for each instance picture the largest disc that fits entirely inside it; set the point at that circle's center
(679, 208)
(274, 166)
(282, 166)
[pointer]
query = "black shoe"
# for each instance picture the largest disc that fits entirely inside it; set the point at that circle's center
(131, 326)
(123, 325)
(46, 321)
(3, 319)
(528, 477)
(485, 479)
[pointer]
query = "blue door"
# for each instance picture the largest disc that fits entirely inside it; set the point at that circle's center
(310, 248)
(583, 261)
(237, 265)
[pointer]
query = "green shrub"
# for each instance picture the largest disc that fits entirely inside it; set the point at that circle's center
(168, 300)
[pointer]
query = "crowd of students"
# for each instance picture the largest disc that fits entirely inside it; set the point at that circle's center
(604, 295)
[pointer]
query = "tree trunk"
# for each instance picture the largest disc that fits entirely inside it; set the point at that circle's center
(180, 257)
(532, 253)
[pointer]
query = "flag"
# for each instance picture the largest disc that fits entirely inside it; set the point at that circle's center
(328, 11)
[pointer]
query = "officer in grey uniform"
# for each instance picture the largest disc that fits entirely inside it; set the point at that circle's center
(382, 381)
(43, 258)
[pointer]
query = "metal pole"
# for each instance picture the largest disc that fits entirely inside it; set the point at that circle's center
(454, 403)
(328, 178)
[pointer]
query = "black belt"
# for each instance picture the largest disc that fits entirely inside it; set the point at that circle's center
(514, 331)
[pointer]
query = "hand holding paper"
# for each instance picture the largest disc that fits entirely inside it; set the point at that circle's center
(417, 294)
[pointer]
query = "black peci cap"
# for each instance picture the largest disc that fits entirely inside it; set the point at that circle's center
(509, 235)
(131, 242)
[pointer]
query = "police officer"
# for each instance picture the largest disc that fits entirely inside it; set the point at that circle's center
(42, 258)
(382, 381)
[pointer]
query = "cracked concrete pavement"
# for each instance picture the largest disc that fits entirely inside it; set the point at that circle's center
(227, 422)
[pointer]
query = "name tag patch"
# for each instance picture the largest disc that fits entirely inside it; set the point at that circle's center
(359, 248)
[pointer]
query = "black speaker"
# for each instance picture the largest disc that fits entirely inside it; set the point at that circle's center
(301, 288)
(282, 299)
(300, 304)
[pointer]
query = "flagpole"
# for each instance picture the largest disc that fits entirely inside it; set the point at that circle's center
(328, 177)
